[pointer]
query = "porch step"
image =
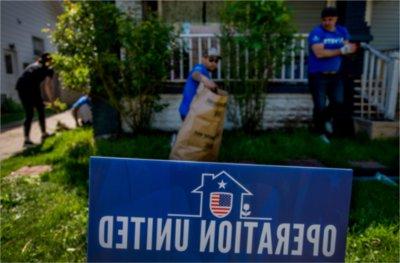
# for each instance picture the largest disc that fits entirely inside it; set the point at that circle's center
(377, 129)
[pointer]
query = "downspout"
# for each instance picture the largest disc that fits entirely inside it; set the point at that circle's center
(368, 12)
(331, 3)
(159, 8)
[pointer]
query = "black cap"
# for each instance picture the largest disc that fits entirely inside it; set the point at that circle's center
(329, 11)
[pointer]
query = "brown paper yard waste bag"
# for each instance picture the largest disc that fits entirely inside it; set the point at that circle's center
(200, 136)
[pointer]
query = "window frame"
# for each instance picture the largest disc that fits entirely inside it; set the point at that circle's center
(38, 46)
(8, 60)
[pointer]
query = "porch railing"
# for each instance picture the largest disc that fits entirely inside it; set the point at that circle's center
(190, 48)
(379, 86)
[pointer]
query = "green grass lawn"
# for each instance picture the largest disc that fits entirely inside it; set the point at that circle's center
(44, 219)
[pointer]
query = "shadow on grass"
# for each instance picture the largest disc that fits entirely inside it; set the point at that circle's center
(152, 145)
(35, 150)
(71, 163)
(373, 203)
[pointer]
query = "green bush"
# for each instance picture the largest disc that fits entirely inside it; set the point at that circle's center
(8, 105)
(147, 52)
(265, 31)
(113, 55)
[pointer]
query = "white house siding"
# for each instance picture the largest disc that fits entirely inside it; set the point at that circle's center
(306, 14)
(20, 21)
(385, 24)
(282, 110)
(183, 11)
(133, 8)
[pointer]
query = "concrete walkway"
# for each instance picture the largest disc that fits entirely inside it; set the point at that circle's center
(12, 140)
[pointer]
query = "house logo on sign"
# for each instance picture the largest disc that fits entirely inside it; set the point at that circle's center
(221, 196)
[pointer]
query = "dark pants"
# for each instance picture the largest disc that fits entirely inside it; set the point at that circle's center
(29, 102)
(323, 86)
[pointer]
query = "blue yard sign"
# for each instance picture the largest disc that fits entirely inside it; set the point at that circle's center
(153, 210)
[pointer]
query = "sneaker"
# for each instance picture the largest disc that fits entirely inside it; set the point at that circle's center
(328, 127)
(324, 139)
(28, 143)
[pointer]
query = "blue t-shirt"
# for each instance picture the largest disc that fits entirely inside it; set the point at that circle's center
(82, 100)
(331, 40)
(190, 89)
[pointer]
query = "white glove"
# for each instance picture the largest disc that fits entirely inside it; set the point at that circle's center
(346, 49)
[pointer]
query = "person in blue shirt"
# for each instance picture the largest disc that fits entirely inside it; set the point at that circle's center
(199, 74)
(82, 111)
(327, 43)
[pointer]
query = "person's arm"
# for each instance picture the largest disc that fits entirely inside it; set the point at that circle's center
(48, 88)
(208, 83)
(75, 115)
(320, 51)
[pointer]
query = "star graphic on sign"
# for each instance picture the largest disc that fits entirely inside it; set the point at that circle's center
(221, 184)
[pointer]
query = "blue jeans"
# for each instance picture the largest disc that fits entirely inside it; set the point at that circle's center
(324, 86)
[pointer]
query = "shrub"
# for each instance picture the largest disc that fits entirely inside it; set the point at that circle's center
(8, 105)
(113, 55)
(264, 30)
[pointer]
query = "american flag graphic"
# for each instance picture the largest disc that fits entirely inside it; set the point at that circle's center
(220, 204)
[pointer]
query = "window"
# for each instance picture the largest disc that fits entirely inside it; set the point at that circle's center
(38, 46)
(9, 66)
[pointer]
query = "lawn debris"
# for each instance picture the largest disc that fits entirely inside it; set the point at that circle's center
(384, 179)
(29, 171)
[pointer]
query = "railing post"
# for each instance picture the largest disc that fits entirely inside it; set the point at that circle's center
(302, 45)
(181, 58)
(172, 73)
(370, 83)
(219, 62)
(292, 60)
(190, 53)
(199, 50)
(283, 67)
(364, 80)
(393, 88)
(384, 85)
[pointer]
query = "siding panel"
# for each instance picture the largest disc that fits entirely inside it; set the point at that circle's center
(385, 24)
(20, 20)
(306, 14)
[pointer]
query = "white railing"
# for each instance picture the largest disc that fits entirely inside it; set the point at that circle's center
(379, 84)
(190, 48)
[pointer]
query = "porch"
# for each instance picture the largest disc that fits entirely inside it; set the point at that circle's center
(375, 90)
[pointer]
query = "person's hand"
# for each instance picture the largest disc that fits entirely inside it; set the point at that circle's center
(348, 48)
(353, 47)
(209, 83)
